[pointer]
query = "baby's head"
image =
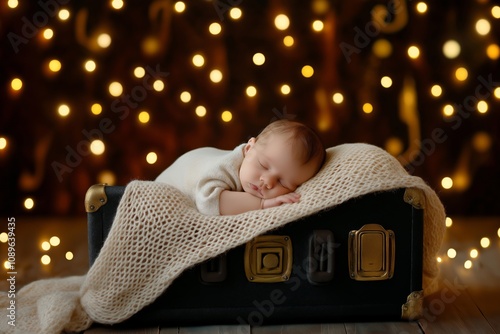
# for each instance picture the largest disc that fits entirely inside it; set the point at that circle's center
(282, 157)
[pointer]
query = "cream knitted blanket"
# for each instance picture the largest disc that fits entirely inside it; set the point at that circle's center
(157, 233)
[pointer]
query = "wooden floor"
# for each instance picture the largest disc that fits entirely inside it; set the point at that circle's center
(468, 301)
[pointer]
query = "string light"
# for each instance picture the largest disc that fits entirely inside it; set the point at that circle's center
(448, 110)
(185, 96)
(474, 253)
(413, 52)
(151, 158)
(179, 6)
(69, 256)
(318, 25)
(461, 74)
(115, 89)
(16, 84)
(448, 222)
(285, 89)
(12, 3)
(97, 147)
(485, 242)
(338, 98)
(55, 241)
(158, 85)
(436, 90)
(367, 108)
(421, 7)
(45, 245)
(259, 59)
(495, 12)
(198, 60)
(482, 107)
(143, 117)
(493, 51)
(96, 109)
(468, 264)
(4, 237)
(29, 203)
(90, 65)
(216, 76)
(139, 72)
(45, 259)
(107, 177)
(63, 110)
(439, 259)
(3, 143)
(64, 14)
(201, 111)
(104, 40)
(288, 41)
(307, 71)
(498, 232)
(382, 48)
(215, 28)
(483, 27)
(386, 82)
(282, 22)
(55, 65)
(481, 141)
(251, 91)
(447, 182)
(451, 49)
(235, 13)
(394, 146)
(48, 33)
(496, 92)
(226, 116)
(117, 4)
(452, 253)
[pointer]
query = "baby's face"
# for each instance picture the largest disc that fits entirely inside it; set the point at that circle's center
(270, 169)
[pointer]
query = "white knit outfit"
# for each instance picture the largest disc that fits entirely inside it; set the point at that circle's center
(202, 174)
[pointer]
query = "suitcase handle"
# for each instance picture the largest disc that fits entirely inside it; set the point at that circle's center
(321, 257)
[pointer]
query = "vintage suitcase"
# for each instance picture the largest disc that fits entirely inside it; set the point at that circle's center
(359, 261)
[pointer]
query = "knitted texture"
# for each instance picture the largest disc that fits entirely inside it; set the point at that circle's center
(158, 233)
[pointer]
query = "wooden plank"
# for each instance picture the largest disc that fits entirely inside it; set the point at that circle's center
(109, 330)
(301, 329)
(224, 329)
(383, 327)
(169, 330)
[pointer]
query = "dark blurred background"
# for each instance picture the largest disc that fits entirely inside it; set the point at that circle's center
(110, 91)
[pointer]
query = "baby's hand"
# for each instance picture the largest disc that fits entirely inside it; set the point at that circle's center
(277, 201)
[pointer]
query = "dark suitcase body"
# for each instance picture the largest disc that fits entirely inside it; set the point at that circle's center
(359, 261)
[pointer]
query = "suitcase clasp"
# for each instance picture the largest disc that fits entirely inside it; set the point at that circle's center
(321, 251)
(371, 253)
(268, 259)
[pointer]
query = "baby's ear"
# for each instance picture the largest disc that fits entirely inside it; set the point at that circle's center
(249, 145)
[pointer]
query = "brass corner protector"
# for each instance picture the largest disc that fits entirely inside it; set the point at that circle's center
(95, 197)
(415, 197)
(413, 308)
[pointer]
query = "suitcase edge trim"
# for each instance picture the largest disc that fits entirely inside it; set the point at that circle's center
(95, 197)
(413, 308)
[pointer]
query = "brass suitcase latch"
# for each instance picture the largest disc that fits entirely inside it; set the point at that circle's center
(371, 253)
(268, 259)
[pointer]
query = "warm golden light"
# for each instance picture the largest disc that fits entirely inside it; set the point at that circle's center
(394, 146)
(495, 12)
(285, 89)
(55, 241)
(496, 92)
(16, 84)
(447, 182)
(452, 253)
(448, 222)
(451, 49)
(143, 117)
(97, 147)
(29, 203)
(6, 265)
(64, 14)
(235, 13)
(48, 33)
(436, 90)
(485, 242)
(45, 245)
(215, 28)
(69, 256)
(307, 71)
(106, 176)
(251, 91)
(185, 96)
(483, 27)
(481, 141)
(158, 85)
(338, 98)
(474, 253)
(468, 264)
(55, 65)
(288, 41)
(227, 116)
(90, 65)
(367, 108)
(386, 82)
(198, 60)
(151, 158)
(282, 22)
(45, 259)
(4, 237)
(461, 73)
(216, 76)
(200, 111)
(12, 3)
(413, 52)
(96, 109)
(421, 7)
(382, 48)
(3, 143)
(498, 232)
(104, 40)
(139, 72)
(179, 6)
(482, 107)
(493, 51)
(448, 110)
(63, 110)
(117, 4)
(439, 259)
(115, 89)
(259, 59)
(318, 25)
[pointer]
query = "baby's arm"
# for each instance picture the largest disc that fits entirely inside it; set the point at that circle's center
(235, 202)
